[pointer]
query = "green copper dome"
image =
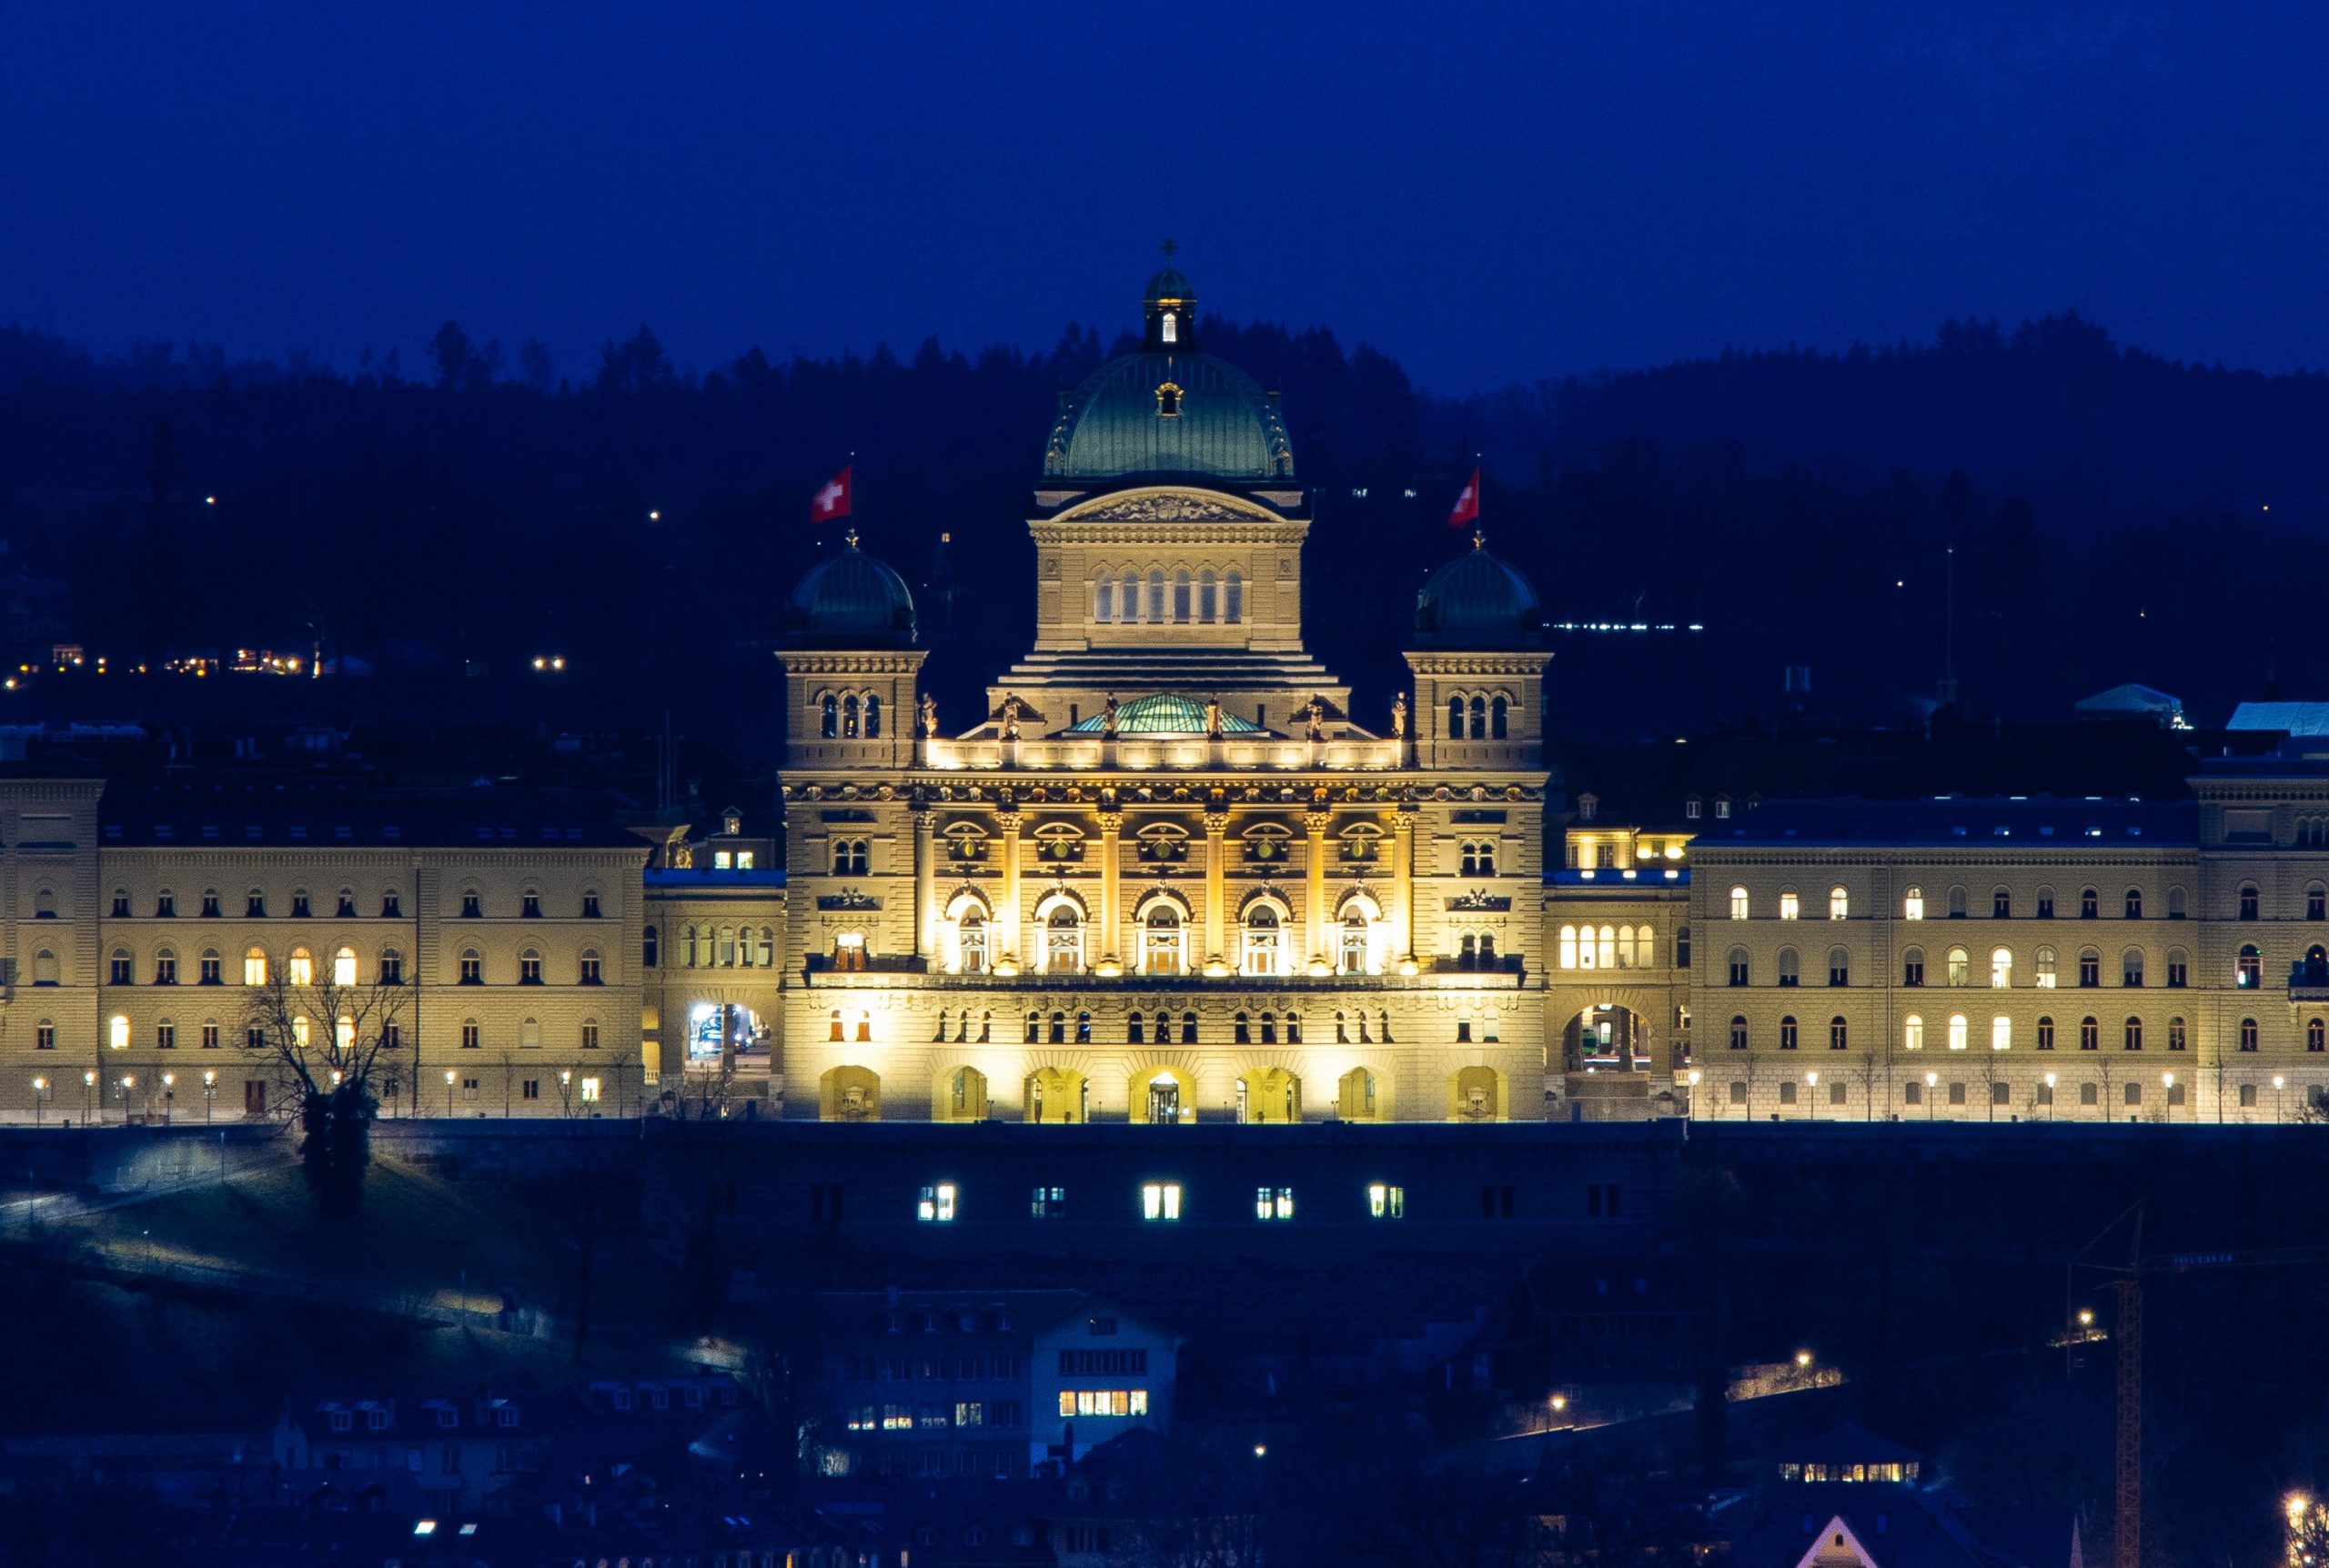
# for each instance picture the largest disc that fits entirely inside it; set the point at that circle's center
(1477, 602)
(1169, 410)
(1166, 713)
(849, 599)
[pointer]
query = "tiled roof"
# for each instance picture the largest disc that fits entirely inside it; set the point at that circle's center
(225, 814)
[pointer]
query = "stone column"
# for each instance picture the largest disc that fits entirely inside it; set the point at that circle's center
(1402, 888)
(1216, 825)
(1111, 917)
(925, 890)
(1006, 823)
(1322, 953)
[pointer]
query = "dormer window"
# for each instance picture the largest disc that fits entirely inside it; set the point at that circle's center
(1168, 396)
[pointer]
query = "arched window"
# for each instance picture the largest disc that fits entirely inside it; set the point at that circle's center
(1063, 940)
(2250, 901)
(970, 941)
(1163, 948)
(1738, 903)
(1739, 966)
(1839, 967)
(2089, 968)
(472, 971)
(1128, 597)
(1790, 970)
(1912, 1033)
(1912, 966)
(1208, 597)
(1499, 717)
(1839, 904)
(2045, 1034)
(1357, 939)
(1157, 596)
(830, 715)
(1836, 1033)
(2252, 966)
(1791, 906)
(2316, 1035)
(529, 966)
(2134, 1034)
(1182, 608)
(1479, 719)
(2090, 1034)
(849, 716)
(343, 966)
(1961, 967)
(2131, 967)
(2247, 1033)
(301, 971)
(2045, 968)
(1455, 718)
(2090, 904)
(1738, 1031)
(1168, 330)
(1104, 599)
(2134, 903)
(254, 966)
(1787, 1032)
(1188, 1028)
(1259, 952)
(2001, 1033)
(2175, 906)
(1956, 1031)
(872, 717)
(1233, 597)
(2001, 968)
(1912, 904)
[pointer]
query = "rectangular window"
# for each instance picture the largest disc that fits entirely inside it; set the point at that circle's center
(471, 1039)
(1273, 1202)
(589, 1091)
(1160, 1200)
(1048, 1203)
(937, 1203)
(1387, 1202)
(209, 1037)
(166, 1036)
(531, 1088)
(969, 1414)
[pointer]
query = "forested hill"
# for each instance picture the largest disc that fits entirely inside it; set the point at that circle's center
(641, 517)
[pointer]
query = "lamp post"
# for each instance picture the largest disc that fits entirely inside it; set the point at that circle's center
(169, 1095)
(209, 1092)
(40, 1094)
(2280, 1100)
(88, 1091)
(128, 1081)
(448, 1093)
(1811, 1099)
(2167, 1087)
(2049, 1097)
(1932, 1082)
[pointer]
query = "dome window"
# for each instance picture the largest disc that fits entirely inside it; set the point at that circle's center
(1168, 396)
(1169, 328)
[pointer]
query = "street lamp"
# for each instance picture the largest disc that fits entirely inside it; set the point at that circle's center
(169, 1094)
(2167, 1083)
(209, 1092)
(128, 1081)
(88, 1088)
(2049, 1097)
(448, 1091)
(40, 1094)
(1812, 1100)
(1932, 1082)
(2279, 1100)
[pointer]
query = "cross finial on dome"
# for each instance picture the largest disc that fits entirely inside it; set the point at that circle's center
(850, 538)
(1168, 247)
(1480, 538)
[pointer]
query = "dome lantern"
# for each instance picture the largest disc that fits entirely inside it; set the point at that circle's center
(1168, 309)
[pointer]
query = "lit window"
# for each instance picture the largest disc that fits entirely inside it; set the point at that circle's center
(1738, 903)
(343, 966)
(1912, 1033)
(117, 1032)
(302, 968)
(1913, 905)
(1957, 1031)
(2001, 968)
(1273, 1202)
(937, 1203)
(2001, 1033)
(254, 966)
(1839, 904)
(1790, 906)
(1160, 1200)
(589, 1091)
(1383, 1202)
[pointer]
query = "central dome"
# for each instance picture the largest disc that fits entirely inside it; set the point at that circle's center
(1169, 410)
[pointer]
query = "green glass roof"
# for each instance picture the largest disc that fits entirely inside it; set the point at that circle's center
(1169, 413)
(1166, 713)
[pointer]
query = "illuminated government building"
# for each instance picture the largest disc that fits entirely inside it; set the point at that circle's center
(1174, 873)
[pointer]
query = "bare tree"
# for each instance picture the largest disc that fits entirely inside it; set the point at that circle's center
(1869, 1070)
(331, 1042)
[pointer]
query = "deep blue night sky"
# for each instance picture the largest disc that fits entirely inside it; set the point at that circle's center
(1489, 192)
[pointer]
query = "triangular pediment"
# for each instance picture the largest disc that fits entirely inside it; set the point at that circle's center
(1167, 503)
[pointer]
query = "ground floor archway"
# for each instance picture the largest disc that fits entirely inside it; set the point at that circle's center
(849, 1094)
(959, 1095)
(1268, 1095)
(1164, 1096)
(1608, 1037)
(1056, 1095)
(1476, 1094)
(1363, 1094)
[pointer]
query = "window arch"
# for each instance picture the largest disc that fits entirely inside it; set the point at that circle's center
(1787, 1032)
(2251, 970)
(343, 966)
(1738, 1031)
(2248, 1034)
(2001, 1033)
(2134, 903)
(1157, 596)
(2045, 968)
(1063, 923)
(1912, 904)
(2001, 968)
(1182, 607)
(2090, 904)
(1957, 903)
(829, 717)
(1739, 966)
(1790, 970)
(1479, 719)
(1956, 1031)
(1839, 967)
(1104, 599)
(1838, 1033)
(1839, 904)
(2131, 967)
(1738, 903)
(1961, 967)
(1912, 966)
(2132, 1033)
(1499, 717)
(301, 969)
(1163, 937)
(2250, 901)
(1261, 938)
(1208, 597)
(254, 966)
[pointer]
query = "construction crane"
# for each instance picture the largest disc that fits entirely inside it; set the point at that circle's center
(2126, 1283)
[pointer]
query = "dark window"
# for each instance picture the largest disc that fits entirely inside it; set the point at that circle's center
(2045, 1034)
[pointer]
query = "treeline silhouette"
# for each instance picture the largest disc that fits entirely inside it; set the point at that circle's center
(2108, 509)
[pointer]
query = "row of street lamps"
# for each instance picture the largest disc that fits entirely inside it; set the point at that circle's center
(1932, 1081)
(124, 1086)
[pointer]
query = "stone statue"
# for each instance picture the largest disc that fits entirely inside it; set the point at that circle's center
(1011, 718)
(1108, 724)
(1314, 720)
(929, 716)
(1212, 717)
(1399, 716)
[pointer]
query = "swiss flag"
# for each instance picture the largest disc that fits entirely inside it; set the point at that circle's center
(832, 501)
(1467, 505)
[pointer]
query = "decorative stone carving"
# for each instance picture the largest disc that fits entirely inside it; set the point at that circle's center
(1165, 508)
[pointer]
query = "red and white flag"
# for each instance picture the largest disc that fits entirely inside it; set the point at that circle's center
(1467, 505)
(832, 501)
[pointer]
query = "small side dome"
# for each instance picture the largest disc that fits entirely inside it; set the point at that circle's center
(850, 599)
(1477, 600)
